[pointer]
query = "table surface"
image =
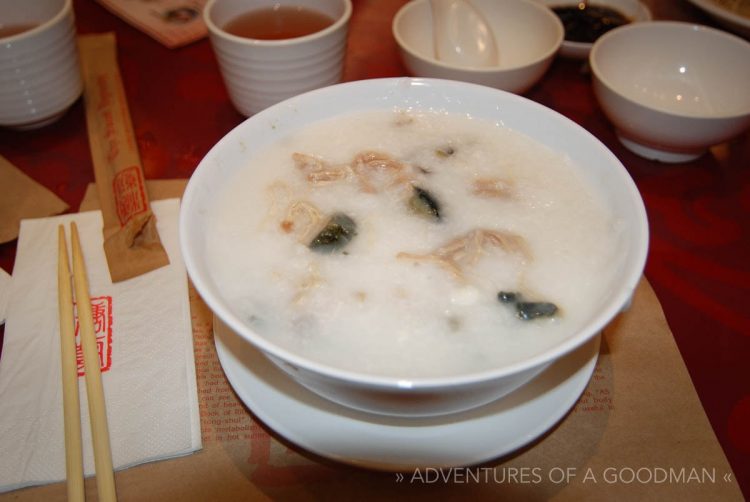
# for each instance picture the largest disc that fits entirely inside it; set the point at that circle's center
(699, 212)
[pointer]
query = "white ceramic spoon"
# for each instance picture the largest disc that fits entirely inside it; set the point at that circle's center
(461, 34)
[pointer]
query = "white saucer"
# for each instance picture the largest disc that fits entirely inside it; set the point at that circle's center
(651, 153)
(401, 444)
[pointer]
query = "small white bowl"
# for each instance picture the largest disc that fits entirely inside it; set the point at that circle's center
(420, 396)
(672, 89)
(528, 36)
(634, 10)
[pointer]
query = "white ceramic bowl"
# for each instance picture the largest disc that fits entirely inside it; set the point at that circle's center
(528, 36)
(39, 73)
(672, 89)
(426, 396)
(634, 10)
(727, 14)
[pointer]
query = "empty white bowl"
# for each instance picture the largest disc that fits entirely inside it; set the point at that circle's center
(417, 396)
(528, 36)
(672, 89)
(634, 10)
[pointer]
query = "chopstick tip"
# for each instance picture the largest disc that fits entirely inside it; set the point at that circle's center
(75, 240)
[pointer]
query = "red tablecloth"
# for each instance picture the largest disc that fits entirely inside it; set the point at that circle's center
(699, 212)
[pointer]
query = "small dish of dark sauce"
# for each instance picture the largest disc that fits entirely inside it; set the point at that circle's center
(585, 23)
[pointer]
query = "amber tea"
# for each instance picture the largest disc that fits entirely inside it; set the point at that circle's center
(14, 29)
(278, 22)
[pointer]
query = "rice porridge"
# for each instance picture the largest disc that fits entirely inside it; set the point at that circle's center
(412, 244)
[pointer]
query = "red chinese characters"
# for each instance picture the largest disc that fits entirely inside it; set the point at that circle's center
(101, 309)
(130, 194)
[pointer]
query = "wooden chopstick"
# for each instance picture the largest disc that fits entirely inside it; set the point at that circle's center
(105, 480)
(71, 403)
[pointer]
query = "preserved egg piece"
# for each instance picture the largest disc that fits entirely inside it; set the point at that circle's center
(507, 297)
(424, 204)
(527, 310)
(533, 310)
(337, 232)
(445, 151)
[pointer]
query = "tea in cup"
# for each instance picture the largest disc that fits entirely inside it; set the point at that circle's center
(269, 51)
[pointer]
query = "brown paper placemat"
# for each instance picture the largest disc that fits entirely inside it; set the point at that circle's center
(638, 432)
(156, 189)
(23, 198)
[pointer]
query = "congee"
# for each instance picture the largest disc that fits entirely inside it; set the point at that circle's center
(412, 244)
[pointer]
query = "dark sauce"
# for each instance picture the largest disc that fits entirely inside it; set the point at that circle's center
(586, 23)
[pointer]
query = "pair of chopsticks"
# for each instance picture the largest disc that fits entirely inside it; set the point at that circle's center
(105, 481)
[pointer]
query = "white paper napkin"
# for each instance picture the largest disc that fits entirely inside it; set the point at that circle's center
(4, 292)
(149, 370)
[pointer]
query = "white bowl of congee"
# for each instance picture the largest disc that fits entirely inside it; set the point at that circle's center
(413, 247)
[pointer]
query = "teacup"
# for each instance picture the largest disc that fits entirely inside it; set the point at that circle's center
(39, 73)
(260, 70)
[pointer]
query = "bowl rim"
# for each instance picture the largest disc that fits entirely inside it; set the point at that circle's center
(218, 31)
(66, 8)
(594, 325)
(657, 26)
(717, 11)
(477, 69)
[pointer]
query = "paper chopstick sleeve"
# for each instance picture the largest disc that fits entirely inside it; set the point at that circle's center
(131, 241)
